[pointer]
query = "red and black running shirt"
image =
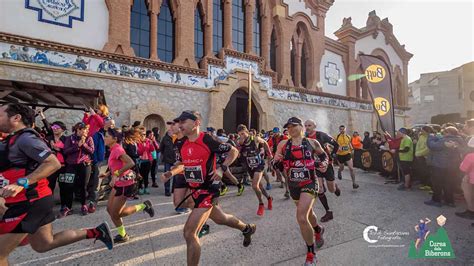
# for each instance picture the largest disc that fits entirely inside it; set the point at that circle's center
(199, 159)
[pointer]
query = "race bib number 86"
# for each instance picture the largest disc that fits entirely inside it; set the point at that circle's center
(299, 174)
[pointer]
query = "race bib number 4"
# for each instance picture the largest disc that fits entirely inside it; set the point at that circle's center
(67, 178)
(299, 174)
(193, 174)
(253, 161)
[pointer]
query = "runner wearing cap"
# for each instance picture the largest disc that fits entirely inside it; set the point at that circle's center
(25, 163)
(198, 161)
(301, 158)
(330, 146)
(273, 142)
(255, 165)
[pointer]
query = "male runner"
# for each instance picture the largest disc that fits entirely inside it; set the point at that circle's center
(250, 151)
(344, 154)
(198, 161)
(228, 174)
(299, 159)
(325, 140)
(25, 163)
(273, 142)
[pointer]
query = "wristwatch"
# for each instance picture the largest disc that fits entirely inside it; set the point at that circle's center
(22, 182)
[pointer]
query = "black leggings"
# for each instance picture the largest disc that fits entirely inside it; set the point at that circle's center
(52, 179)
(145, 167)
(154, 169)
(82, 173)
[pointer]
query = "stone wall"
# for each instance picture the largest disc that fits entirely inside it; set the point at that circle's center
(129, 100)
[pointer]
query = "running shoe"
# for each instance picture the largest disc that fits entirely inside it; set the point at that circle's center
(240, 189)
(310, 259)
(91, 207)
(269, 186)
(339, 175)
(355, 186)
(224, 191)
(141, 191)
(168, 194)
(154, 184)
(270, 203)
(287, 195)
(121, 239)
(337, 192)
(248, 232)
(64, 212)
(105, 235)
(182, 210)
(327, 217)
(84, 210)
(318, 237)
(149, 208)
(204, 230)
(146, 191)
(466, 214)
(261, 209)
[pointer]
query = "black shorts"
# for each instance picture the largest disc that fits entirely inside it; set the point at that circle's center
(309, 187)
(259, 169)
(205, 198)
(128, 191)
(405, 167)
(27, 217)
(179, 181)
(328, 175)
(344, 158)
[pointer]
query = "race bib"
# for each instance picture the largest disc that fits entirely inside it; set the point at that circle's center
(193, 174)
(128, 177)
(4, 182)
(67, 178)
(345, 148)
(253, 161)
(299, 174)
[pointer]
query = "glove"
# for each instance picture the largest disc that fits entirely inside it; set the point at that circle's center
(323, 163)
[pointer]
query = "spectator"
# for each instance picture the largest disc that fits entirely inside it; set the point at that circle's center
(421, 155)
(356, 142)
(445, 158)
(168, 155)
(366, 142)
(78, 150)
(145, 149)
(467, 166)
(56, 142)
(95, 119)
(405, 155)
(151, 137)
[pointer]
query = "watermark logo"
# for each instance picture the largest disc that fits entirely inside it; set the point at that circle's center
(429, 245)
(383, 238)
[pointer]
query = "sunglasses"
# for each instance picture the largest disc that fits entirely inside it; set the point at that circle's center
(55, 127)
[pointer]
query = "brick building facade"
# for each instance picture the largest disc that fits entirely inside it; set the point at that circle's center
(154, 58)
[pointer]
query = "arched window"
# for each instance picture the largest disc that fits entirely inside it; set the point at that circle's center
(165, 33)
(303, 65)
(292, 60)
(273, 52)
(140, 29)
(198, 36)
(217, 25)
(256, 28)
(238, 25)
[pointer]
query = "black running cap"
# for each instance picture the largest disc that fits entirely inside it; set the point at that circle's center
(293, 121)
(193, 115)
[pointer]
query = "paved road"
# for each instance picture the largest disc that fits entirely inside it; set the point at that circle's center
(159, 241)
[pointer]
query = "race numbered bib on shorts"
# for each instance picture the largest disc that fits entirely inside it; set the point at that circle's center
(193, 174)
(253, 161)
(4, 182)
(128, 177)
(299, 175)
(67, 178)
(345, 148)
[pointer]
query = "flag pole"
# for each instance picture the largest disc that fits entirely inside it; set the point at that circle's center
(250, 97)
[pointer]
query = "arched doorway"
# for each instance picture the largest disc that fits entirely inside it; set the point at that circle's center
(155, 120)
(236, 112)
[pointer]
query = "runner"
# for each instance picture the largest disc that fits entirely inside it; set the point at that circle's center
(299, 158)
(25, 164)
(123, 185)
(198, 161)
(344, 154)
(250, 151)
(228, 174)
(325, 140)
(273, 142)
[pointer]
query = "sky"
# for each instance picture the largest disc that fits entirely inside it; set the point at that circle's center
(439, 34)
